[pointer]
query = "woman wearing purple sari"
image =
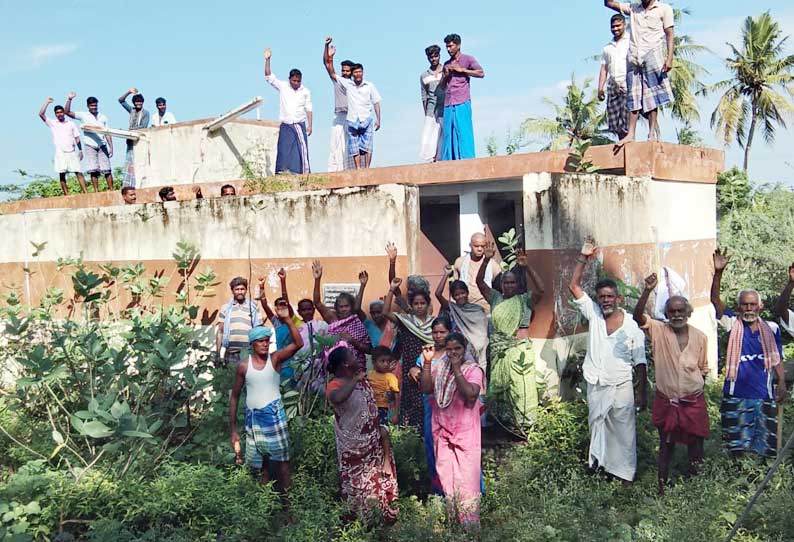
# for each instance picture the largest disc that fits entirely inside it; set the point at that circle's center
(346, 319)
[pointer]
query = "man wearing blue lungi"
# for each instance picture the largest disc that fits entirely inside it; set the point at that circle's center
(458, 132)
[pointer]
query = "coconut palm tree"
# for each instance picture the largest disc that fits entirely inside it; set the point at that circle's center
(686, 75)
(579, 117)
(760, 89)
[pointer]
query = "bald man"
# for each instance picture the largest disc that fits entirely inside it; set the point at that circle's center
(468, 265)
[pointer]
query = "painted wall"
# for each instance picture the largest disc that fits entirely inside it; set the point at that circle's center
(186, 153)
(250, 236)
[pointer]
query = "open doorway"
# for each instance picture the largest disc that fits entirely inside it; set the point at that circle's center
(502, 211)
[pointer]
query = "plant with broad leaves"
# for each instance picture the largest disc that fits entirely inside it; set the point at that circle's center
(509, 241)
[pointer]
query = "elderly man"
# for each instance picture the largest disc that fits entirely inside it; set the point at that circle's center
(468, 266)
(235, 320)
(615, 346)
(679, 355)
(266, 436)
(754, 352)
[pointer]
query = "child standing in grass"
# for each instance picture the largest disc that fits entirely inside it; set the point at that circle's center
(384, 384)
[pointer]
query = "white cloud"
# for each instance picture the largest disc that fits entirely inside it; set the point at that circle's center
(35, 56)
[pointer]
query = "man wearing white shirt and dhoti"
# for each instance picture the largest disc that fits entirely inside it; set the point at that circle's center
(615, 347)
(295, 114)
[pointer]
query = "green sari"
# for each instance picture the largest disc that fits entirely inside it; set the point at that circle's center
(512, 389)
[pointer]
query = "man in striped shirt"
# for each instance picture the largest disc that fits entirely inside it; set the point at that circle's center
(235, 320)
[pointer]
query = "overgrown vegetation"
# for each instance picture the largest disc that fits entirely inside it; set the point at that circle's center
(31, 186)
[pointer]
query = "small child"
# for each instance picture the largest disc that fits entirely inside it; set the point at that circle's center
(384, 384)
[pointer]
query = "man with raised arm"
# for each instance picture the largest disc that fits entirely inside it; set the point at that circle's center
(338, 159)
(98, 149)
(295, 115)
(139, 119)
(363, 109)
(468, 266)
(458, 131)
(66, 139)
(754, 353)
(650, 61)
(615, 347)
(679, 355)
(266, 436)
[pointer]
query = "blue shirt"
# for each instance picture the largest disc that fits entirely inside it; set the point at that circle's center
(752, 379)
(373, 331)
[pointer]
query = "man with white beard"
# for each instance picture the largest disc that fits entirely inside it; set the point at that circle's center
(748, 409)
(615, 348)
(679, 357)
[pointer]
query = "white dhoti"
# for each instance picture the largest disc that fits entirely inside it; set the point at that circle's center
(337, 155)
(613, 435)
(430, 149)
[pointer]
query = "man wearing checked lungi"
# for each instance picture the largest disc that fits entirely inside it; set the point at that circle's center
(266, 437)
(649, 63)
(295, 115)
(613, 76)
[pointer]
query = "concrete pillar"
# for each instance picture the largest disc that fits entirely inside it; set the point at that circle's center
(470, 221)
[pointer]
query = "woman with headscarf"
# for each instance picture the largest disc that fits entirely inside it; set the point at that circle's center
(345, 321)
(468, 319)
(366, 463)
(512, 386)
(456, 380)
(413, 332)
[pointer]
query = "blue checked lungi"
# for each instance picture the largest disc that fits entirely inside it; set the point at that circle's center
(648, 86)
(749, 425)
(129, 169)
(617, 112)
(360, 136)
(458, 132)
(293, 149)
(266, 434)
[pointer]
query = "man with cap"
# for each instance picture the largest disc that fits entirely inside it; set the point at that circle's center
(266, 437)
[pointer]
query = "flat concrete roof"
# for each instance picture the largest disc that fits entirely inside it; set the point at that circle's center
(660, 161)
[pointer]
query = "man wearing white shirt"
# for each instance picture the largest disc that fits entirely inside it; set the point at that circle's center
(162, 117)
(613, 75)
(363, 100)
(615, 347)
(98, 150)
(295, 114)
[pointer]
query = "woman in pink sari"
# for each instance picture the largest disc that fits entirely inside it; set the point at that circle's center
(363, 448)
(346, 319)
(456, 380)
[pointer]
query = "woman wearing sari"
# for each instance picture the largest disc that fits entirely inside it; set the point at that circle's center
(413, 332)
(456, 380)
(345, 321)
(468, 319)
(512, 386)
(440, 332)
(366, 463)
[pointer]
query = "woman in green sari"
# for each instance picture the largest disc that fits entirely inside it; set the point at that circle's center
(512, 386)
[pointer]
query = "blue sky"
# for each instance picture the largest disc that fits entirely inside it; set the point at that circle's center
(206, 57)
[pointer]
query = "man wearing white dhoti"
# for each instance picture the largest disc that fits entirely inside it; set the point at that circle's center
(615, 347)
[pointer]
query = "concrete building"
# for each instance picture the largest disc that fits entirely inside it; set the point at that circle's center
(651, 205)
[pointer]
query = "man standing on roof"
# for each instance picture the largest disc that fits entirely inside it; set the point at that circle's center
(162, 117)
(650, 61)
(139, 119)
(363, 109)
(458, 131)
(66, 139)
(433, 104)
(613, 76)
(98, 149)
(295, 114)
(338, 159)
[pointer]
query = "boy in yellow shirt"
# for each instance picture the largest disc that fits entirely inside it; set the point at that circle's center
(384, 384)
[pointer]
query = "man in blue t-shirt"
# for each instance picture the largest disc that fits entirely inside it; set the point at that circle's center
(754, 351)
